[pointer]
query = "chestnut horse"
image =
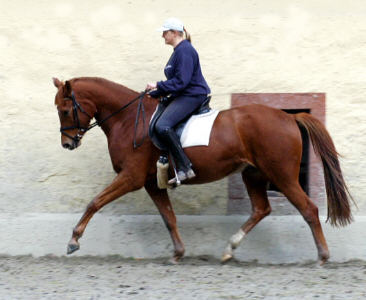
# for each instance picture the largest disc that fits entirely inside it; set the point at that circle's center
(262, 143)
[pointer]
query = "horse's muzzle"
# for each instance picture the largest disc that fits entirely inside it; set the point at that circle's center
(68, 146)
(71, 145)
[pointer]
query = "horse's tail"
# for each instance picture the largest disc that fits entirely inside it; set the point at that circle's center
(339, 210)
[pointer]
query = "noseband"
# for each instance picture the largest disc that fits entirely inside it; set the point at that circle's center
(76, 106)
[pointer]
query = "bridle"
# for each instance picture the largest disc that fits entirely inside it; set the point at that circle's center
(76, 106)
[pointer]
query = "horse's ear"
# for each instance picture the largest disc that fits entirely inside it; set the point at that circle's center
(67, 88)
(56, 82)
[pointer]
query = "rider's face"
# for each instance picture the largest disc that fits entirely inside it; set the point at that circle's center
(169, 37)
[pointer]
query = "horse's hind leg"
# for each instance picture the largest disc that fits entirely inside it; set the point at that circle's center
(162, 202)
(309, 211)
(256, 187)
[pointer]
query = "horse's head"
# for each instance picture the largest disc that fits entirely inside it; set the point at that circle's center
(75, 115)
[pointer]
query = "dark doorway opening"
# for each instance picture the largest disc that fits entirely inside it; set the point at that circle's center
(272, 190)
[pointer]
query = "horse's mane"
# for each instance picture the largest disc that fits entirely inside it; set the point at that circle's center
(108, 84)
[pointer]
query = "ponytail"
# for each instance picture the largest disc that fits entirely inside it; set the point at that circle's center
(188, 36)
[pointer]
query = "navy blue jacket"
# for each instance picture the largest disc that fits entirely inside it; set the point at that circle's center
(183, 73)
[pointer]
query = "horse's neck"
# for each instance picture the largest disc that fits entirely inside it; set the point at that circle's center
(108, 103)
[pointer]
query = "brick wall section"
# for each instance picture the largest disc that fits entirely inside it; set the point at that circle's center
(238, 201)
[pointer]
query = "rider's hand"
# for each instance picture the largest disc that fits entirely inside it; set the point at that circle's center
(151, 86)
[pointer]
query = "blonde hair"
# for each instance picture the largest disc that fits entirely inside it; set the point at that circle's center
(188, 36)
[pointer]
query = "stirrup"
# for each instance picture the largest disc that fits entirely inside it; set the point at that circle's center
(181, 176)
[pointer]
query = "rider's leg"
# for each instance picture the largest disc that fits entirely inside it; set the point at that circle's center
(179, 109)
(184, 165)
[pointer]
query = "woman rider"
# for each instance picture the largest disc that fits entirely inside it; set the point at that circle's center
(187, 88)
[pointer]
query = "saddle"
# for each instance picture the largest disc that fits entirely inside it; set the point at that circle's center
(204, 108)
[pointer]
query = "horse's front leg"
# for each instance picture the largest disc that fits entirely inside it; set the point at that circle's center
(162, 202)
(122, 184)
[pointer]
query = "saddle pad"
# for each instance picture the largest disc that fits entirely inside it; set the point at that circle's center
(198, 129)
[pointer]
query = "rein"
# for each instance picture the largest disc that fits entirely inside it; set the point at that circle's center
(82, 130)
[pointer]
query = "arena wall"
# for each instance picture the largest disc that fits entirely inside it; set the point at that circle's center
(244, 46)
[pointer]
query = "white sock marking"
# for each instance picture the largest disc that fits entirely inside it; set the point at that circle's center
(237, 238)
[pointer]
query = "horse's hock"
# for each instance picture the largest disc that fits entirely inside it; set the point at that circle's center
(311, 172)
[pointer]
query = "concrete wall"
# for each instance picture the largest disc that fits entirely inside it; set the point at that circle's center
(245, 46)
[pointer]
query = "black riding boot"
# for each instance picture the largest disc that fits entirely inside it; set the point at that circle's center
(184, 164)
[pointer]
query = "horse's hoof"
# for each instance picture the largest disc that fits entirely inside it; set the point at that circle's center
(173, 261)
(72, 247)
(323, 258)
(321, 262)
(226, 257)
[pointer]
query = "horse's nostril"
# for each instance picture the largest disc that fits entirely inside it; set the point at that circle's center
(66, 146)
